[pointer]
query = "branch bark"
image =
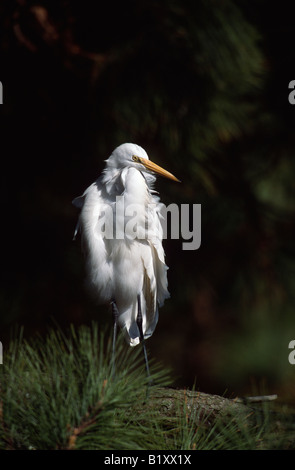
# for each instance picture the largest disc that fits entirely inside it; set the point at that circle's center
(202, 407)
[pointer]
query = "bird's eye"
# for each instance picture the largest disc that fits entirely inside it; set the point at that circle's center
(135, 158)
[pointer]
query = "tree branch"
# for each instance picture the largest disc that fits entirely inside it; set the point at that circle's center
(204, 408)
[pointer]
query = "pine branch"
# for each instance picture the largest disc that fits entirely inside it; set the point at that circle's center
(59, 392)
(203, 407)
(88, 420)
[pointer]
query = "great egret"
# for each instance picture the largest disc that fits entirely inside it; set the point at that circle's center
(128, 269)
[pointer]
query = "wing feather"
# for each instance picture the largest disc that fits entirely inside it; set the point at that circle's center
(99, 269)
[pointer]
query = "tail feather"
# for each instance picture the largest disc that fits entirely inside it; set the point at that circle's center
(149, 308)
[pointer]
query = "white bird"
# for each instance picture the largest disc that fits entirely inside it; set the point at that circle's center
(126, 267)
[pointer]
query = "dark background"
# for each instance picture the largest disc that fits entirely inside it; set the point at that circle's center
(203, 87)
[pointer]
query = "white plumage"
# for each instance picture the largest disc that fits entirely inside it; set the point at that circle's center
(122, 236)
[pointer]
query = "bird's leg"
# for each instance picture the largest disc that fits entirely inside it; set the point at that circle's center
(115, 313)
(139, 324)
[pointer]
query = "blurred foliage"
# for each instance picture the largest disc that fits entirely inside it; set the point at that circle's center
(203, 87)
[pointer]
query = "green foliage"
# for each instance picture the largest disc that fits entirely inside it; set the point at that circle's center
(59, 393)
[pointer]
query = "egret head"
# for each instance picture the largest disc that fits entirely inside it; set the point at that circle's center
(132, 155)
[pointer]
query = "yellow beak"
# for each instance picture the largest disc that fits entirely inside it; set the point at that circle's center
(156, 168)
